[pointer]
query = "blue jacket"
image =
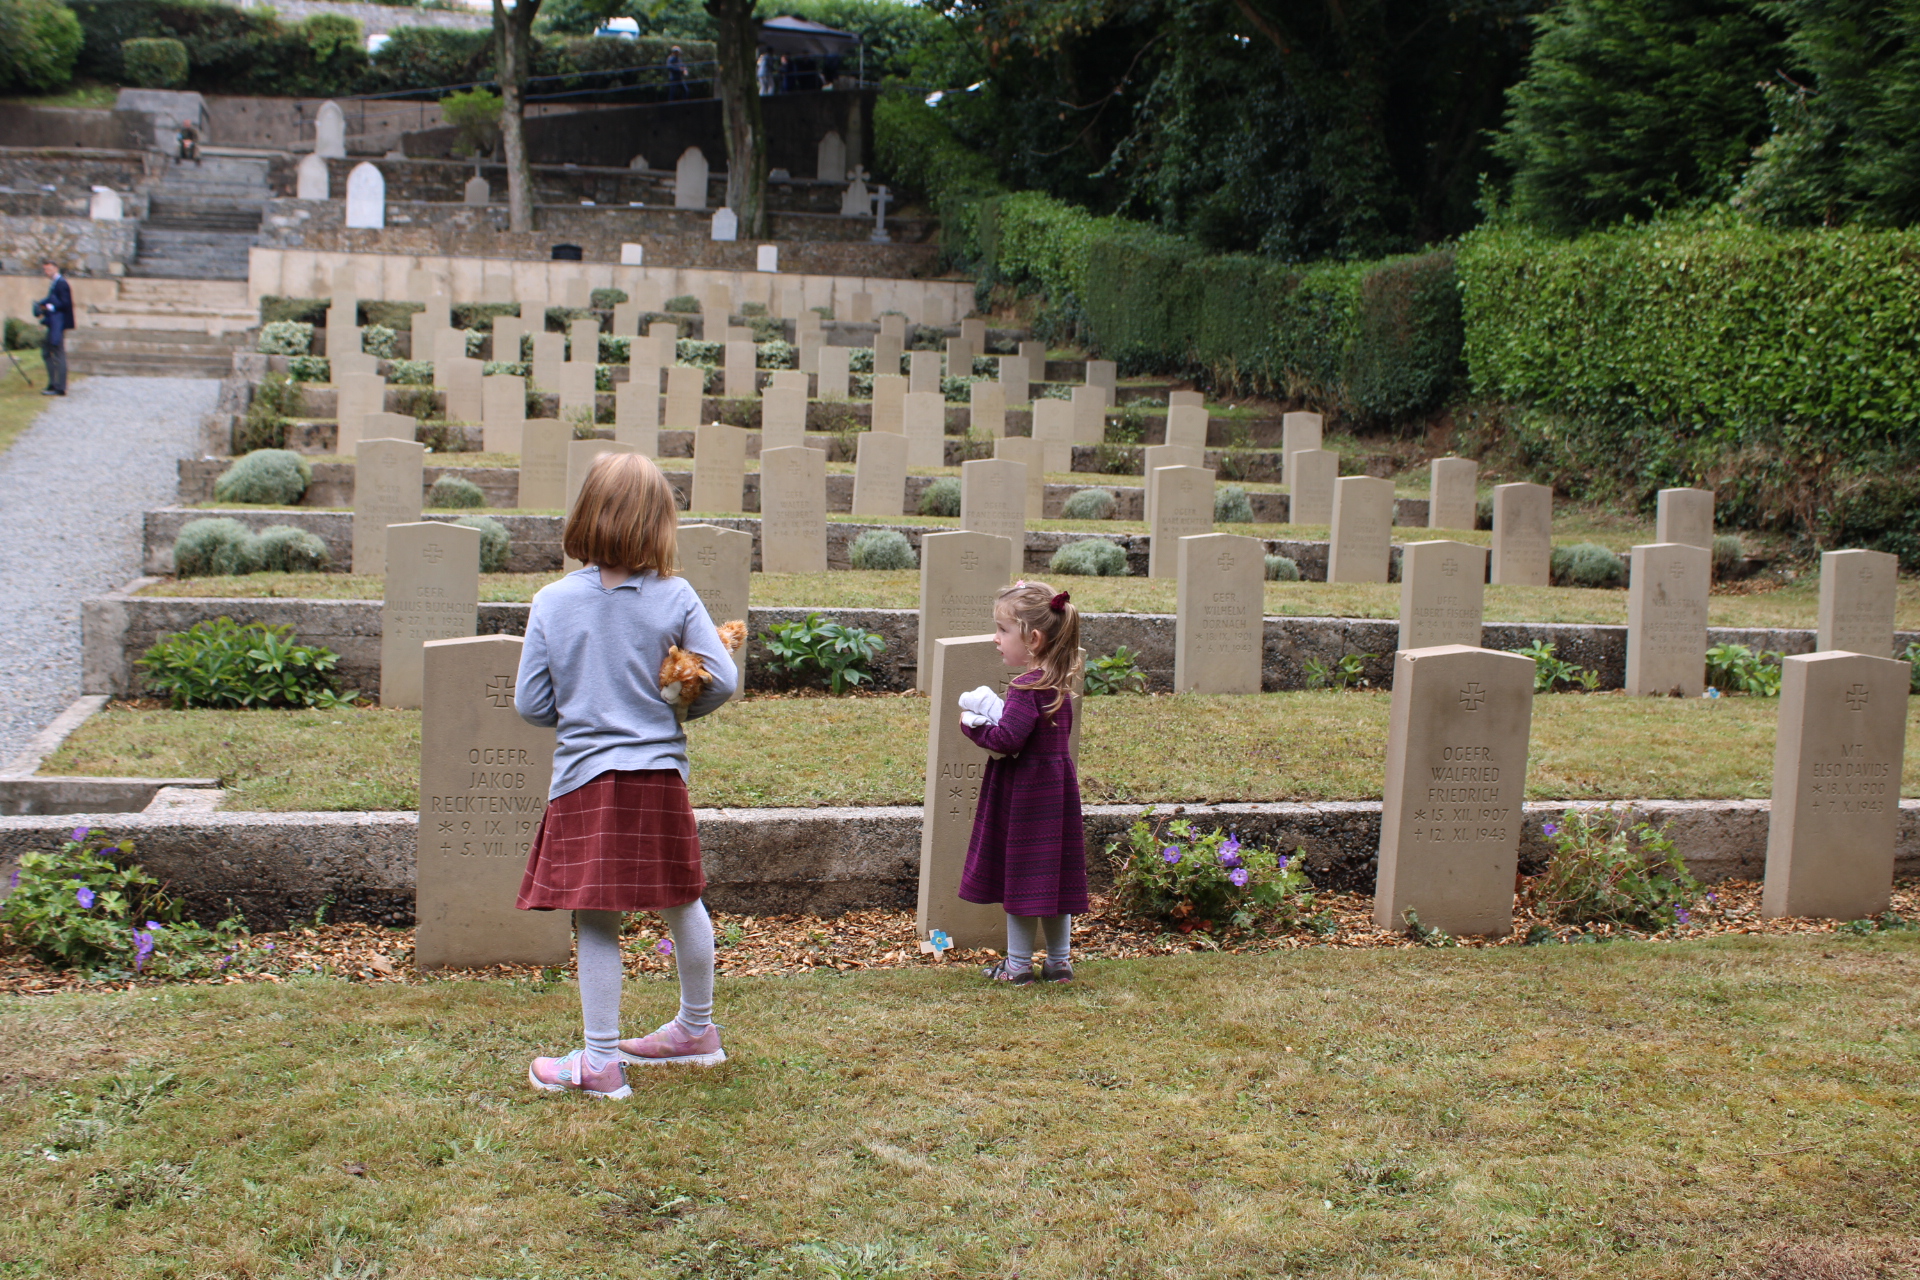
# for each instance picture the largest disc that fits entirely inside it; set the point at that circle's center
(56, 311)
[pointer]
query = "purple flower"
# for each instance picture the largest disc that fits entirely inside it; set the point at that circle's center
(1230, 852)
(15, 882)
(79, 834)
(85, 897)
(1171, 853)
(1551, 828)
(1712, 897)
(1282, 864)
(155, 924)
(1682, 916)
(1239, 877)
(266, 946)
(142, 948)
(664, 946)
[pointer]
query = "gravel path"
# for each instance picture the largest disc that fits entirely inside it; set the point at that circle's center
(73, 489)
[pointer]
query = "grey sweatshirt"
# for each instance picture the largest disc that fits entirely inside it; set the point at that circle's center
(591, 669)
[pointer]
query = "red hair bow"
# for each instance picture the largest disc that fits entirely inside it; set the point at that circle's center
(1059, 602)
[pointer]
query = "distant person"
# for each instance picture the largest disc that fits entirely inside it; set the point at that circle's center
(676, 75)
(786, 74)
(763, 71)
(189, 140)
(56, 312)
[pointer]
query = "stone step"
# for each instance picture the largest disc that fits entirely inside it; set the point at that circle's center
(206, 293)
(100, 340)
(150, 368)
(154, 318)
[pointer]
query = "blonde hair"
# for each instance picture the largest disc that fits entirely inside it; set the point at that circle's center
(625, 517)
(1033, 607)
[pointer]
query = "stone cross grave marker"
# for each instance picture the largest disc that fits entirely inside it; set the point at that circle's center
(1857, 593)
(1522, 535)
(887, 350)
(954, 769)
(888, 404)
(684, 396)
(783, 416)
(432, 593)
(1456, 779)
(1667, 620)
(366, 197)
(330, 132)
(719, 470)
(1684, 515)
(1298, 431)
(543, 464)
(1453, 495)
(549, 358)
(1442, 594)
(1837, 759)
(987, 409)
(636, 413)
(1182, 508)
(742, 378)
(359, 395)
(793, 510)
(1360, 547)
(923, 416)
(577, 395)
(1089, 415)
(880, 475)
(387, 489)
(1014, 377)
(484, 774)
(311, 181)
(923, 372)
(1053, 429)
(834, 376)
(1028, 453)
(718, 564)
(1187, 425)
(960, 573)
(993, 499)
(1220, 624)
(503, 412)
(1155, 456)
(690, 180)
(1310, 479)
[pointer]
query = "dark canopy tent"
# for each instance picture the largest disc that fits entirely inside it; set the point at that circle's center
(798, 37)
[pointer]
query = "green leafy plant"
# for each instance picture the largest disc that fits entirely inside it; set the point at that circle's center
(310, 369)
(1550, 671)
(1118, 672)
(1169, 871)
(40, 40)
(1586, 564)
(154, 63)
(475, 114)
(1426, 935)
(380, 341)
(1090, 504)
(218, 545)
(268, 477)
(1096, 557)
(1349, 672)
(941, 498)
(286, 338)
(1912, 657)
(221, 664)
(1734, 668)
(814, 649)
(455, 491)
(1605, 868)
(24, 335)
(1231, 505)
(684, 303)
(414, 373)
(882, 549)
(275, 402)
(1729, 553)
(1885, 922)
(1282, 569)
(496, 545)
(285, 548)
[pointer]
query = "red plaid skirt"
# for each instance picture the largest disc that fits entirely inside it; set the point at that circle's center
(624, 842)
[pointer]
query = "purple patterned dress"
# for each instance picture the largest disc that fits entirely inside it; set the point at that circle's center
(1028, 850)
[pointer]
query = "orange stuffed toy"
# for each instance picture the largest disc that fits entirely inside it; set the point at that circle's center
(683, 677)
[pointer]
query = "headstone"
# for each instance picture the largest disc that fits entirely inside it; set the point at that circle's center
(1837, 762)
(1193, 399)
(1360, 545)
(923, 417)
(359, 395)
(719, 469)
(973, 332)
(459, 377)
(685, 395)
(1310, 481)
(834, 376)
(955, 767)
(1522, 535)
(1667, 620)
(448, 344)
(389, 426)
(576, 294)
(690, 180)
(767, 258)
(484, 774)
(543, 464)
(1453, 497)
(1298, 430)
(583, 340)
(1035, 354)
(330, 132)
(1053, 428)
(718, 564)
(783, 418)
(1220, 624)
(631, 254)
(1155, 456)
(793, 510)
(856, 201)
(476, 191)
(366, 197)
(880, 474)
(960, 574)
(387, 489)
(742, 377)
(1187, 425)
(1027, 452)
(1857, 593)
(1182, 508)
(665, 336)
(352, 359)
(508, 332)
(1089, 415)
(1014, 379)
(1456, 780)
(549, 357)
(432, 593)
(726, 224)
(310, 181)
(636, 413)
(577, 396)
(496, 286)
(923, 372)
(993, 499)
(638, 163)
(790, 302)
(426, 328)
(626, 321)
(1105, 375)
(807, 337)
(1442, 594)
(889, 396)
(959, 358)
(987, 409)
(830, 158)
(503, 411)
(887, 350)
(1684, 515)
(716, 309)
(860, 307)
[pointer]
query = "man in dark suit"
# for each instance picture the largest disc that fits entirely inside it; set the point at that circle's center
(56, 312)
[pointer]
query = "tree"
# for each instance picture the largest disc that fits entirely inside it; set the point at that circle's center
(736, 44)
(39, 41)
(512, 33)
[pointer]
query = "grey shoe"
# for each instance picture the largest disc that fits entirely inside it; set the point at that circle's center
(999, 971)
(1051, 972)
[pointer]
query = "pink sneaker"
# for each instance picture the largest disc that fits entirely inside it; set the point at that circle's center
(672, 1044)
(570, 1075)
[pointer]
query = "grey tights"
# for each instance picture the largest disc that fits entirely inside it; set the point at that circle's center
(1023, 932)
(598, 942)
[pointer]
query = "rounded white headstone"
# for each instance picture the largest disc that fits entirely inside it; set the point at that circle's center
(330, 131)
(310, 180)
(768, 258)
(690, 180)
(725, 225)
(366, 196)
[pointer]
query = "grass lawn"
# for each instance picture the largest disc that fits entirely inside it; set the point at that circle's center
(1743, 1106)
(1793, 605)
(808, 751)
(20, 404)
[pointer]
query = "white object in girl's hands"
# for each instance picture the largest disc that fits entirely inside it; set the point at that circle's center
(981, 706)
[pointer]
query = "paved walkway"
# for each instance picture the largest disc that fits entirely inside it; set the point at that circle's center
(73, 489)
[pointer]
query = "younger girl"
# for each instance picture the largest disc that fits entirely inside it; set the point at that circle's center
(618, 834)
(1028, 851)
